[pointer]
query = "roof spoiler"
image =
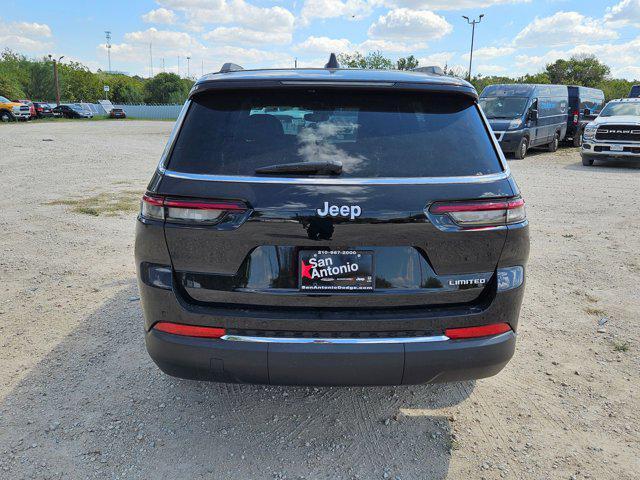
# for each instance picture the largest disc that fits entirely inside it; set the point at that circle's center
(230, 67)
(432, 70)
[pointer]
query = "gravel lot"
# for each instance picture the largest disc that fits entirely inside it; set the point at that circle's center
(80, 398)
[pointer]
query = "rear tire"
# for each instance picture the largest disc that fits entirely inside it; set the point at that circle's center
(521, 151)
(553, 146)
(586, 161)
(6, 117)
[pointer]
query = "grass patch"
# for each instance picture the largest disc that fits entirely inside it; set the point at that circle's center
(621, 346)
(598, 312)
(108, 204)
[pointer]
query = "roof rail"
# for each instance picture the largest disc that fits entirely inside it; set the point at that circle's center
(230, 67)
(432, 69)
(333, 62)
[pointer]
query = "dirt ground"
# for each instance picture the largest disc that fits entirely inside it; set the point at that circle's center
(80, 398)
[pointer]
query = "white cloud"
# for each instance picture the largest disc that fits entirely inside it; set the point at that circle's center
(324, 45)
(387, 47)
(439, 59)
(30, 29)
(160, 15)
(351, 9)
(171, 39)
(490, 69)
(489, 53)
(25, 36)
(204, 12)
(449, 4)
(627, 12)
(621, 58)
(244, 36)
(402, 24)
(563, 28)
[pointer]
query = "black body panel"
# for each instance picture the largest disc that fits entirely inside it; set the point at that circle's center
(316, 364)
(440, 242)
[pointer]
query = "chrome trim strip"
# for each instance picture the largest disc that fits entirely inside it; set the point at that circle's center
(337, 181)
(335, 341)
(343, 83)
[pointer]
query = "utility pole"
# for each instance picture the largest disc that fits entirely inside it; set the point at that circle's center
(108, 36)
(473, 32)
(150, 60)
(295, 62)
(188, 69)
(55, 76)
(178, 66)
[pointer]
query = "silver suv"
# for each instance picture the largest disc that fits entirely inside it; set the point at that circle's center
(615, 134)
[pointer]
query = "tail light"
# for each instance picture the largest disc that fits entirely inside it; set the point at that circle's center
(576, 116)
(487, 213)
(477, 332)
(157, 207)
(189, 330)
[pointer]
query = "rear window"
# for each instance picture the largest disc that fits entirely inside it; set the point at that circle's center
(373, 134)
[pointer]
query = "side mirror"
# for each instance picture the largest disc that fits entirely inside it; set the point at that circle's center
(586, 112)
(533, 114)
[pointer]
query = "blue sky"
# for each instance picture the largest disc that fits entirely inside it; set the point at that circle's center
(515, 36)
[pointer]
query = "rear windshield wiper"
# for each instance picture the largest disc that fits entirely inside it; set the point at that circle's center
(323, 168)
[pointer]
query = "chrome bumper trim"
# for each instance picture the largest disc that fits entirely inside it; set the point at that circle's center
(338, 181)
(335, 341)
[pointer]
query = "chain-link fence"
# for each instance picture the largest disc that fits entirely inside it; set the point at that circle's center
(143, 111)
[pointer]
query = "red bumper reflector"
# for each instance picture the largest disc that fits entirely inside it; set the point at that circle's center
(475, 332)
(189, 330)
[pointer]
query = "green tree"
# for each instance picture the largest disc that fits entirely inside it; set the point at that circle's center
(373, 60)
(9, 88)
(123, 88)
(616, 88)
(407, 63)
(40, 85)
(584, 70)
(78, 83)
(165, 88)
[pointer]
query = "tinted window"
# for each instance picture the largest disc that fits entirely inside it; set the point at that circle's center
(372, 134)
(503, 107)
(621, 108)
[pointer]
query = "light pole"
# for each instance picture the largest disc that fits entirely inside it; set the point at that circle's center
(473, 32)
(188, 70)
(108, 36)
(55, 76)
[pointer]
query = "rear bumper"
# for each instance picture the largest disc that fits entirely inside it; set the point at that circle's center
(509, 141)
(329, 364)
(589, 150)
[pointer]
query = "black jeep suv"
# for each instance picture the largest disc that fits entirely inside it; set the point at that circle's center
(331, 227)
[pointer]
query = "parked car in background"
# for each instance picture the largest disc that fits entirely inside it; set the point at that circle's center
(32, 109)
(43, 110)
(117, 113)
(526, 115)
(615, 134)
(585, 104)
(12, 111)
(83, 107)
(72, 111)
(635, 92)
(56, 113)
